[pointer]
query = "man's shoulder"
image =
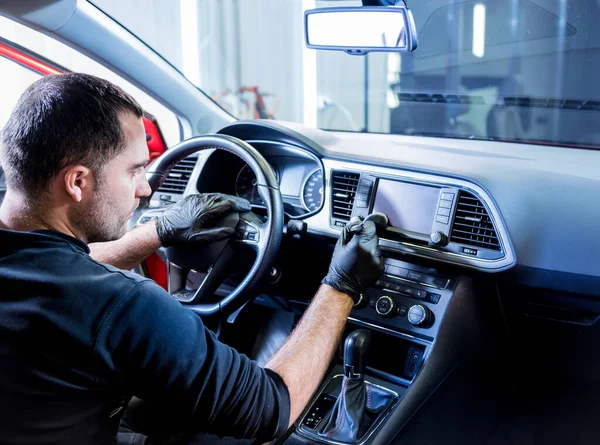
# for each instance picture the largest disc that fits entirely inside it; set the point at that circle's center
(118, 283)
(65, 270)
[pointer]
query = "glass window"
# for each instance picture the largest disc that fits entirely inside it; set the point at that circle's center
(74, 61)
(518, 70)
(14, 80)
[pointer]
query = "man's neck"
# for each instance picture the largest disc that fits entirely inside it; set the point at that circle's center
(17, 214)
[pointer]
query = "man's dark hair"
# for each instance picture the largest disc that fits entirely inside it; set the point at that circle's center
(63, 120)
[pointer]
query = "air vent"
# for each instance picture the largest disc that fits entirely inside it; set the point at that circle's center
(179, 176)
(472, 225)
(343, 191)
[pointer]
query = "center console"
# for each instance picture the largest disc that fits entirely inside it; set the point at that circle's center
(418, 333)
(403, 313)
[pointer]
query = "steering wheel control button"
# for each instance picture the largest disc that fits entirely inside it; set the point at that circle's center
(385, 306)
(419, 315)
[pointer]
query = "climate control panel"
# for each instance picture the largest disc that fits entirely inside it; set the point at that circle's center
(407, 298)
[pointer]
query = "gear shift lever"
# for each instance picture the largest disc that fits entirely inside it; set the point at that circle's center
(356, 349)
(359, 404)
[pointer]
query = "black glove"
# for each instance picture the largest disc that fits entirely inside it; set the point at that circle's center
(357, 261)
(196, 218)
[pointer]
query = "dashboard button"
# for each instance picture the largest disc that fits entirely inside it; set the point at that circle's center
(432, 280)
(445, 204)
(408, 290)
(415, 276)
(433, 298)
(396, 271)
(420, 294)
(443, 219)
(448, 196)
(444, 212)
(360, 203)
(402, 310)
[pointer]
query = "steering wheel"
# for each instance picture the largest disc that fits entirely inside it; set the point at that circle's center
(263, 237)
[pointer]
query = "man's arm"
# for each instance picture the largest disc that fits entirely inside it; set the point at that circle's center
(303, 360)
(194, 219)
(130, 250)
(306, 355)
(181, 369)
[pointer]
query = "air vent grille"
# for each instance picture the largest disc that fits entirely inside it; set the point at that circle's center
(343, 192)
(179, 176)
(472, 225)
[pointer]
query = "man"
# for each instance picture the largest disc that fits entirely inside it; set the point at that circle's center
(79, 337)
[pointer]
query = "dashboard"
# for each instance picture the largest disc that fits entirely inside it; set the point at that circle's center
(446, 219)
(521, 196)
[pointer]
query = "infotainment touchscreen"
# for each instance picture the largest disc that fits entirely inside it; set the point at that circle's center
(409, 207)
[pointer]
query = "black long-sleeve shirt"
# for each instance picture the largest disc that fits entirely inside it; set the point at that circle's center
(78, 338)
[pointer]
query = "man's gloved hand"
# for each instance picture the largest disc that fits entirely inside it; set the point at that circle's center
(357, 261)
(196, 218)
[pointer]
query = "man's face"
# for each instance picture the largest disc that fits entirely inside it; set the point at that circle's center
(117, 191)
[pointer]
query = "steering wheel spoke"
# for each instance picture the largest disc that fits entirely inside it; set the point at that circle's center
(214, 277)
(262, 236)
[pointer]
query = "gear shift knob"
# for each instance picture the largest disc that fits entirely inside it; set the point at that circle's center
(356, 348)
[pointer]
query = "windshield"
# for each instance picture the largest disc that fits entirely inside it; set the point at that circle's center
(519, 70)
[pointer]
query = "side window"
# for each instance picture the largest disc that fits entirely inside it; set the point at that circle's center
(15, 82)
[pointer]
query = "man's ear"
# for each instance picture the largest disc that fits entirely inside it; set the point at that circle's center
(79, 181)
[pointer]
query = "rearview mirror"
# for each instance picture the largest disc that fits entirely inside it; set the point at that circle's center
(360, 30)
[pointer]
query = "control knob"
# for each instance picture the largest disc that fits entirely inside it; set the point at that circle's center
(439, 238)
(385, 306)
(420, 315)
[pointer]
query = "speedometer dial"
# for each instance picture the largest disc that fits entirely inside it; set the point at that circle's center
(245, 186)
(312, 191)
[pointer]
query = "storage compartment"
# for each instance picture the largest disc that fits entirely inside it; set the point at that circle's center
(392, 355)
